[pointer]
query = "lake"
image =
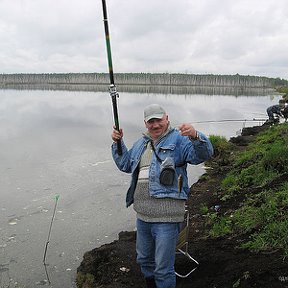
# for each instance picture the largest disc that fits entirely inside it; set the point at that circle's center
(58, 143)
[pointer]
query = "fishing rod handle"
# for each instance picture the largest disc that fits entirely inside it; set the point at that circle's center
(119, 147)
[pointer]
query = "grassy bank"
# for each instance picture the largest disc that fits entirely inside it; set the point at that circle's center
(256, 190)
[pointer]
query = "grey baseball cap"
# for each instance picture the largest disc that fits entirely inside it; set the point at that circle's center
(153, 111)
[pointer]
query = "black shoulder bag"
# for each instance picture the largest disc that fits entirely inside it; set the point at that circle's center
(167, 169)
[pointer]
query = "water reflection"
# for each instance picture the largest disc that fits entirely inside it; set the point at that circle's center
(180, 90)
(58, 142)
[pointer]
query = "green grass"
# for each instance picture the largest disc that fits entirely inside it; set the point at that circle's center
(263, 161)
(220, 144)
(263, 215)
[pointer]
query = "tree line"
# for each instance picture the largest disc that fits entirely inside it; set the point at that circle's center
(151, 79)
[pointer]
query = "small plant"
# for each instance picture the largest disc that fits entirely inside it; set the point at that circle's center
(204, 177)
(204, 209)
(220, 145)
(230, 186)
(221, 227)
(246, 218)
(85, 280)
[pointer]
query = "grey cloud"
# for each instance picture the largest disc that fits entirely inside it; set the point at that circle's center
(209, 36)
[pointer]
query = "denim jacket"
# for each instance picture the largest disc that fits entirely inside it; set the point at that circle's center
(180, 148)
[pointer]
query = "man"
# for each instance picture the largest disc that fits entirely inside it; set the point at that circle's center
(159, 192)
(277, 110)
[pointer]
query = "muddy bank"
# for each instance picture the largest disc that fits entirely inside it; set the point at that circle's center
(222, 262)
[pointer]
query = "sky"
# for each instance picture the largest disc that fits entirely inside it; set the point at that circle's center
(248, 37)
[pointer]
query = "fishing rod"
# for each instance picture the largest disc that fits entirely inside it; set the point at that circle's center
(48, 238)
(229, 120)
(112, 88)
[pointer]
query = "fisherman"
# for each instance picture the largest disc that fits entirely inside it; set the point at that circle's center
(275, 111)
(159, 188)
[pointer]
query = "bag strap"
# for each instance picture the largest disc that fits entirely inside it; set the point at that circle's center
(153, 148)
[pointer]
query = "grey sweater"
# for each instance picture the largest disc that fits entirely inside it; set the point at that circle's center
(151, 209)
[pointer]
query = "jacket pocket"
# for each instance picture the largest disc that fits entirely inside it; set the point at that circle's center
(167, 151)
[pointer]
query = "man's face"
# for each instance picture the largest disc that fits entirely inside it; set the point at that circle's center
(156, 127)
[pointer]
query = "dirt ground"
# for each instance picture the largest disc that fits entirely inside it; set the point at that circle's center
(221, 262)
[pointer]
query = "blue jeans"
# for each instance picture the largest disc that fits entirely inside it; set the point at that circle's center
(155, 247)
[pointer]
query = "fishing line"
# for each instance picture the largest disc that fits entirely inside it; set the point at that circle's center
(229, 120)
(48, 238)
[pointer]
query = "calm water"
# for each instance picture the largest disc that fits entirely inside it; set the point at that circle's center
(58, 143)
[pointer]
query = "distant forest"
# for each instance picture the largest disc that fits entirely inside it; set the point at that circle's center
(151, 79)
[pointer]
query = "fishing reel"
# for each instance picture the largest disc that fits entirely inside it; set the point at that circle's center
(113, 91)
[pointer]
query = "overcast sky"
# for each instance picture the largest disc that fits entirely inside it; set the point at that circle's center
(248, 37)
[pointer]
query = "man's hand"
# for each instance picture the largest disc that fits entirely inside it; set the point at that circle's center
(116, 135)
(187, 129)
